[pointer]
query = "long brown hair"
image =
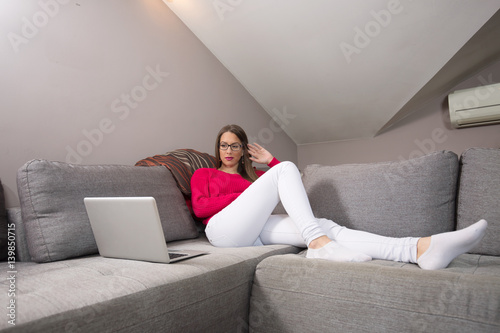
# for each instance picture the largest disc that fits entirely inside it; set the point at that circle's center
(245, 168)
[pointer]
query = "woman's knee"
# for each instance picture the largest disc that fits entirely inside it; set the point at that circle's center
(285, 166)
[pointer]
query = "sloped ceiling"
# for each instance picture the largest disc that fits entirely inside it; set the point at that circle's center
(340, 70)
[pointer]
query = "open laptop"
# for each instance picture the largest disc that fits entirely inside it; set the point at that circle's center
(130, 228)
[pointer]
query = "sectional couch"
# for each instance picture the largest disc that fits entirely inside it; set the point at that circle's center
(55, 280)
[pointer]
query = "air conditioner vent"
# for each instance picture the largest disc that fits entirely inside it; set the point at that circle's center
(475, 107)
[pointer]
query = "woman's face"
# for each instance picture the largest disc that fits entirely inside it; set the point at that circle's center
(229, 157)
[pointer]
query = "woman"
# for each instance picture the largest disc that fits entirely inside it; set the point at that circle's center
(236, 202)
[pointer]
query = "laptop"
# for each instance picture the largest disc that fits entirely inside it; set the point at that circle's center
(130, 228)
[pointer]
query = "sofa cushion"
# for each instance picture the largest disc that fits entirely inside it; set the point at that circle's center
(405, 198)
(182, 163)
(55, 220)
(479, 195)
(294, 294)
(3, 226)
(210, 293)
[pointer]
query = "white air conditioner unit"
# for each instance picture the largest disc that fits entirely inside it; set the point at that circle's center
(475, 106)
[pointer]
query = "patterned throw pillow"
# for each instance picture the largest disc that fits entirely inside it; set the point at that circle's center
(182, 163)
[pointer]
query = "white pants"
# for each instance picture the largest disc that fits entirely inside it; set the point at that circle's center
(247, 221)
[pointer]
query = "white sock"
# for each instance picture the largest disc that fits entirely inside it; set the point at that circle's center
(447, 246)
(336, 252)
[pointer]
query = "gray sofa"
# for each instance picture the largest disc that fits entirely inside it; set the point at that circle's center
(419, 197)
(59, 283)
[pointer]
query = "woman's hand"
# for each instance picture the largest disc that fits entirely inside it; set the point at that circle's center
(259, 154)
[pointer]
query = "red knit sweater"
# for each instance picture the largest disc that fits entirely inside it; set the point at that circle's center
(212, 190)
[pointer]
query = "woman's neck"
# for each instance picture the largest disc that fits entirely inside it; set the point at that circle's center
(231, 171)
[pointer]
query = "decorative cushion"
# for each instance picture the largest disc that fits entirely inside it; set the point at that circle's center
(3, 226)
(182, 163)
(479, 195)
(405, 198)
(55, 220)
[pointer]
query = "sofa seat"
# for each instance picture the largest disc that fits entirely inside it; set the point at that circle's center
(294, 294)
(96, 294)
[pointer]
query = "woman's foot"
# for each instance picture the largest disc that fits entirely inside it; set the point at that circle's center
(443, 248)
(335, 252)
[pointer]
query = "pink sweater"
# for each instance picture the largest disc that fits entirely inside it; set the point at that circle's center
(212, 190)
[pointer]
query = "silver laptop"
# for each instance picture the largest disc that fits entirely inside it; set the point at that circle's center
(130, 228)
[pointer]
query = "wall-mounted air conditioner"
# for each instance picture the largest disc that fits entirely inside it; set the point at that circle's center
(475, 106)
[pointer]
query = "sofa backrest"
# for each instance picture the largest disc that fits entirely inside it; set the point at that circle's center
(54, 216)
(479, 195)
(404, 198)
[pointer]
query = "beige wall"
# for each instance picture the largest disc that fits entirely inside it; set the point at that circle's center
(114, 81)
(426, 130)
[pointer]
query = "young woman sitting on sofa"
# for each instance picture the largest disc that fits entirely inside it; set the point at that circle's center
(236, 202)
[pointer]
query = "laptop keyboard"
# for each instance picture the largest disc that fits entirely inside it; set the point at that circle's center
(176, 255)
